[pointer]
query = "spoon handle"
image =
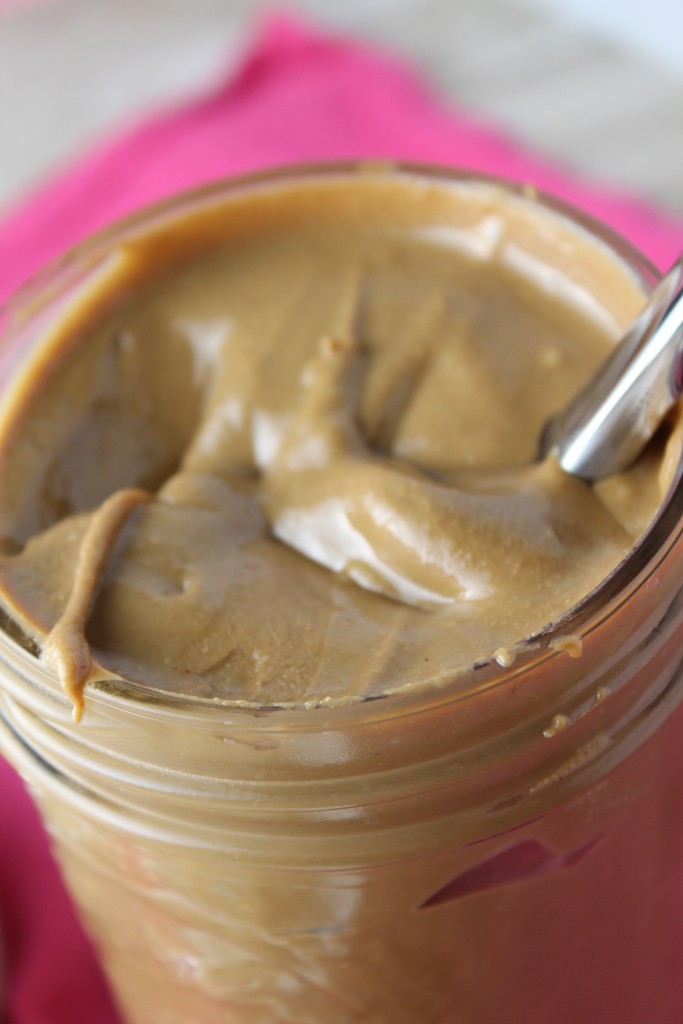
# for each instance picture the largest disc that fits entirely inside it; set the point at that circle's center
(604, 429)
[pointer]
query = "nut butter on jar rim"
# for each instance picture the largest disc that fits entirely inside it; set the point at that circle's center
(424, 764)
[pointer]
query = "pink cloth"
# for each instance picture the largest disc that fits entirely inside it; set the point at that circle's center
(298, 95)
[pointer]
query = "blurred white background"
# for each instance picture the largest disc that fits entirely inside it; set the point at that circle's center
(653, 29)
(596, 84)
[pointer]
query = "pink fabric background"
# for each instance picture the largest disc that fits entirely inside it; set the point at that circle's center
(298, 95)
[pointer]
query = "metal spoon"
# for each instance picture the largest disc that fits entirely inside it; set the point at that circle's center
(604, 429)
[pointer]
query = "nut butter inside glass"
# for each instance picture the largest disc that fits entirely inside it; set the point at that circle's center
(375, 714)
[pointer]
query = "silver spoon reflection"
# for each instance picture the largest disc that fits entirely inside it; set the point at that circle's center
(604, 429)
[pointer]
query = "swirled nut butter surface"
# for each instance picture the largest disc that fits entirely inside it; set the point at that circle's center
(282, 449)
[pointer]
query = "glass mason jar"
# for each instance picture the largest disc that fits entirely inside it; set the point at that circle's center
(507, 852)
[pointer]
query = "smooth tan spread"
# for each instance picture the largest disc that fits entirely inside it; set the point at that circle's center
(283, 449)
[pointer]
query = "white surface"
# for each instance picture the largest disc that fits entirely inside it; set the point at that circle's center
(653, 29)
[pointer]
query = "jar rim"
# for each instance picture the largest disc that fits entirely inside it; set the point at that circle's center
(640, 563)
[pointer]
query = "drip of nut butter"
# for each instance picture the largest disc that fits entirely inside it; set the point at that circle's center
(282, 451)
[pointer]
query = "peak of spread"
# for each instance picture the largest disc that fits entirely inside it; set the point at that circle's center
(281, 450)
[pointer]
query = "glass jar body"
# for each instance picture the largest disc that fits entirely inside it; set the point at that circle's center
(448, 856)
(532, 909)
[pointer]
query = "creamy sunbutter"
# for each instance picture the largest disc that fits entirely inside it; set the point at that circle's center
(284, 451)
